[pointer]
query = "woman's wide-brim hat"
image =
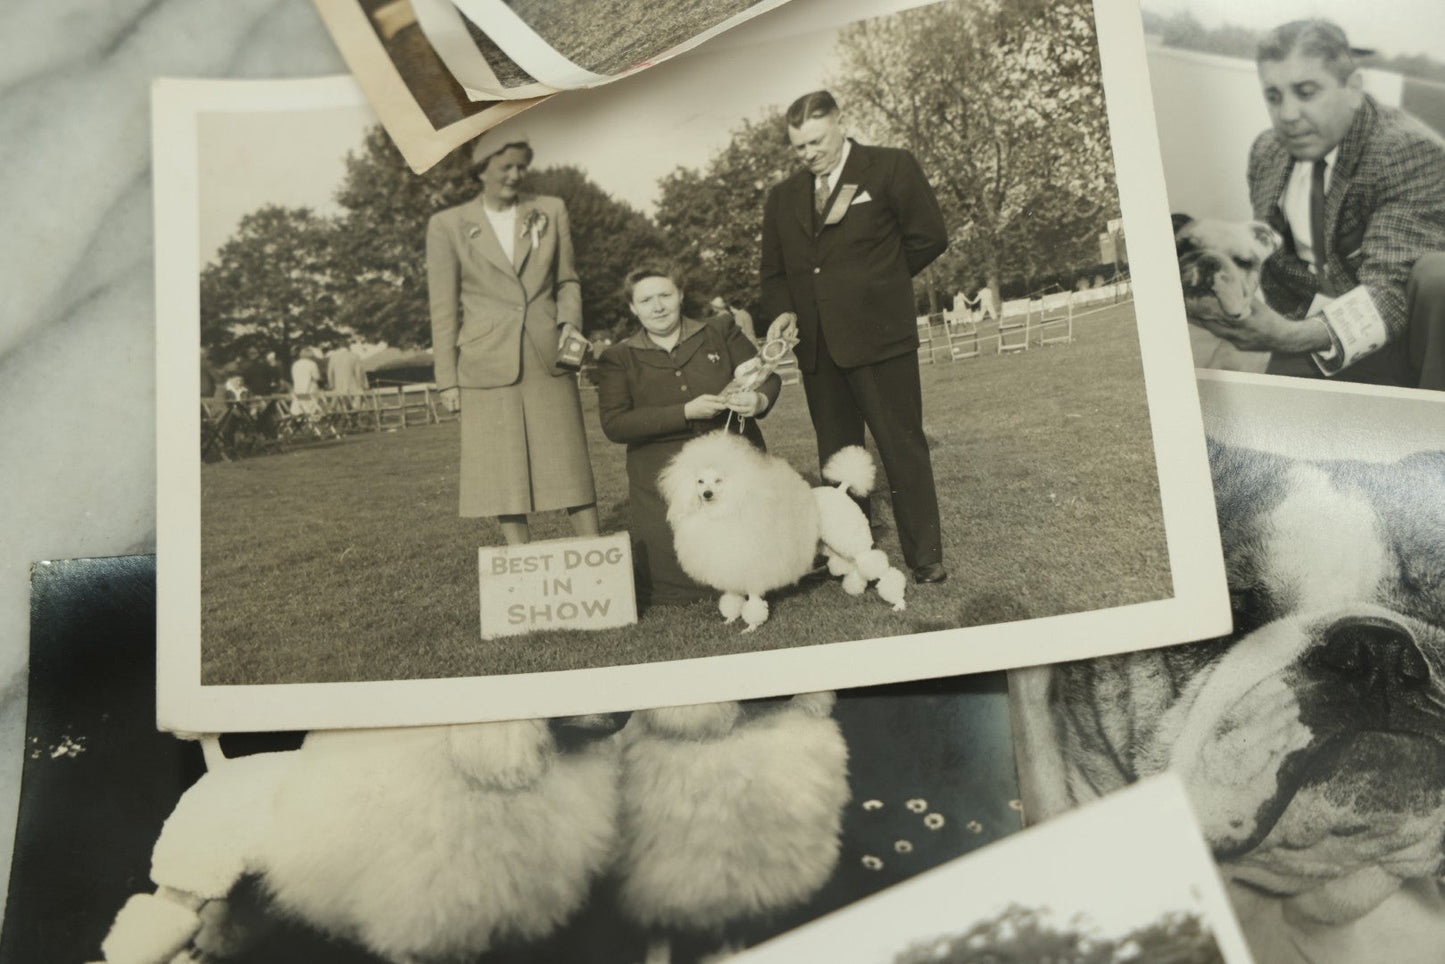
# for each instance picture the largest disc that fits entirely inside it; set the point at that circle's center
(495, 141)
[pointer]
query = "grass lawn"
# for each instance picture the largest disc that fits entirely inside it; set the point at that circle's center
(635, 30)
(347, 561)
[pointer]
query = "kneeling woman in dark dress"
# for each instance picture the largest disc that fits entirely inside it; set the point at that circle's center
(659, 388)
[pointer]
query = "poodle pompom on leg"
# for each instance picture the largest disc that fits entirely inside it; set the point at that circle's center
(755, 612)
(731, 606)
(819, 703)
(838, 565)
(854, 583)
(890, 589)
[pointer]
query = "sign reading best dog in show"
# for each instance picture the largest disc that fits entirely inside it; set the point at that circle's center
(557, 584)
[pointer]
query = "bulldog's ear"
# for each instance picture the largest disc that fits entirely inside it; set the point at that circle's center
(1247, 481)
(1179, 221)
(1267, 240)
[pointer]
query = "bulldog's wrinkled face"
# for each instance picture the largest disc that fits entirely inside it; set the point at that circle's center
(1313, 740)
(1219, 264)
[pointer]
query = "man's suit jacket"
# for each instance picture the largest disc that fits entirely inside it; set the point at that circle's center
(1384, 207)
(482, 302)
(850, 275)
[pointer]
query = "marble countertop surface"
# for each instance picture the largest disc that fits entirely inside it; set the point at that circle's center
(77, 338)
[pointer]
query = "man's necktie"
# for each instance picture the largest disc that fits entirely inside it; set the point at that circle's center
(1317, 216)
(820, 196)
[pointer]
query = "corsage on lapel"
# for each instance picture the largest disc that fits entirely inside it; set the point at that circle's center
(535, 225)
(714, 357)
(840, 204)
(473, 232)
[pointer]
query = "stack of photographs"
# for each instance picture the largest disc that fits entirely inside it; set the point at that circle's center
(1148, 520)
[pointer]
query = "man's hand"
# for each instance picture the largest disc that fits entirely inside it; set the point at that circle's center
(1267, 330)
(704, 407)
(748, 404)
(451, 399)
(783, 326)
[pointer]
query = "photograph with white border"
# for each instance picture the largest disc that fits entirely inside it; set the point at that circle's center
(313, 571)
(1125, 879)
(1254, 101)
(664, 834)
(1310, 739)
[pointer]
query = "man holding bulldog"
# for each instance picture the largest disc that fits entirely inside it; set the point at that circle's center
(842, 240)
(1357, 190)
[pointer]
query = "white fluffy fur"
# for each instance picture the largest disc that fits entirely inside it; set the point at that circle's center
(730, 824)
(419, 843)
(847, 538)
(437, 841)
(743, 522)
(149, 929)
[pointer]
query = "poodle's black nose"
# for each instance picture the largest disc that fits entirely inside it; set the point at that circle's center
(707, 495)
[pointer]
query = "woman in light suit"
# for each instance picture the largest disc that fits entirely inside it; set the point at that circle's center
(504, 293)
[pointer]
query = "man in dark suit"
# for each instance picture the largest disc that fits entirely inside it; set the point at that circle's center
(1357, 190)
(842, 240)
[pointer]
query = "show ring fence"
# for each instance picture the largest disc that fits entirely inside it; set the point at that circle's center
(237, 428)
(1021, 323)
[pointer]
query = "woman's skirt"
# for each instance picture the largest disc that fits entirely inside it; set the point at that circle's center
(660, 579)
(524, 446)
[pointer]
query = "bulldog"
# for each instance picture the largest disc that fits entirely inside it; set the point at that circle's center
(1311, 740)
(1219, 264)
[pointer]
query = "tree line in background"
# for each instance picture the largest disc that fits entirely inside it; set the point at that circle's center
(1021, 933)
(1183, 29)
(1001, 101)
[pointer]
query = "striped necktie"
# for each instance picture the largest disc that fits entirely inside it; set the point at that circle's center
(820, 196)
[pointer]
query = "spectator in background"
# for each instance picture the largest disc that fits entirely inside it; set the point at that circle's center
(344, 375)
(740, 317)
(306, 382)
(213, 383)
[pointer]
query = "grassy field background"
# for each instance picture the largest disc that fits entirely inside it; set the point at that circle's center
(347, 561)
(634, 31)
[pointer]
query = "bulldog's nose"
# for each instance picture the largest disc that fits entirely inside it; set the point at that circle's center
(1373, 652)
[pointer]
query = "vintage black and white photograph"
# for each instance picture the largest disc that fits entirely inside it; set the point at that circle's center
(922, 424)
(571, 43)
(1297, 134)
(1311, 740)
(415, 96)
(483, 69)
(1037, 897)
(666, 835)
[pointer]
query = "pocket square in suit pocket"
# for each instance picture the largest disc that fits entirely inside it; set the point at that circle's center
(863, 197)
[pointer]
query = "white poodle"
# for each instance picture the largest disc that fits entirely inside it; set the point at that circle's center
(420, 844)
(730, 813)
(847, 537)
(746, 523)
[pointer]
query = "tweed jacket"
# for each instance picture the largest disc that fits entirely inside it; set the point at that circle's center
(850, 274)
(482, 301)
(1384, 208)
